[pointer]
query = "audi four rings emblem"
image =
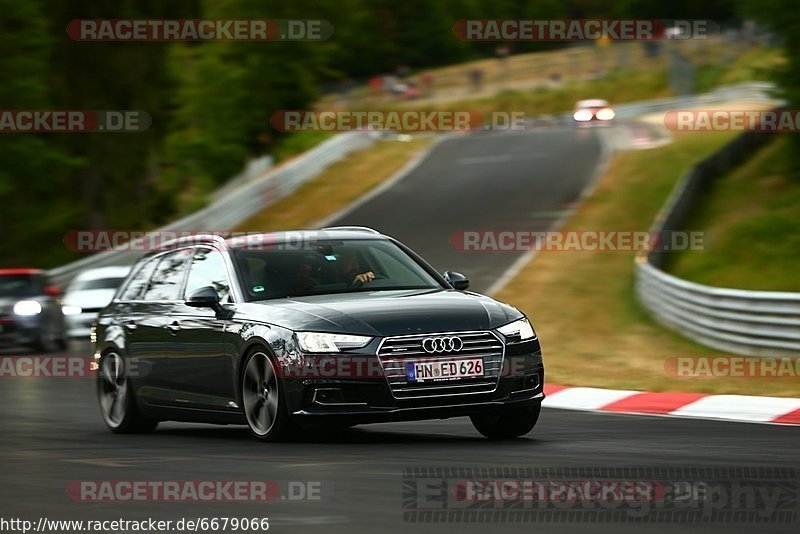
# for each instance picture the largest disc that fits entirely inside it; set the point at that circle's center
(433, 345)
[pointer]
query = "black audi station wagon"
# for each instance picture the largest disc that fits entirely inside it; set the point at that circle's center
(290, 330)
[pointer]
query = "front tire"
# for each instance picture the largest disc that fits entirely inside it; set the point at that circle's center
(117, 399)
(507, 424)
(263, 402)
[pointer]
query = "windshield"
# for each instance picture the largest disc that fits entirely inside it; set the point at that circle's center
(20, 285)
(328, 266)
(97, 283)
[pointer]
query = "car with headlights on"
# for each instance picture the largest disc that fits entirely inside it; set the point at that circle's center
(30, 311)
(87, 294)
(290, 330)
(595, 111)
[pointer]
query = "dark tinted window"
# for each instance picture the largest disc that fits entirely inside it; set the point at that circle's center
(165, 284)
(19, 285)
(134, 289)
(328, 266)
(208, 269)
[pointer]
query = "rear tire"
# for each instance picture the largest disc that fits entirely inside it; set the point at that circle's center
(118, 400)
(507, 424)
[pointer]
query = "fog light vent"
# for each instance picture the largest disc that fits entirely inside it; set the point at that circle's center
(328, 396)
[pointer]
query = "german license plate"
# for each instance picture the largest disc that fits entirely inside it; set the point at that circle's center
(444, 370)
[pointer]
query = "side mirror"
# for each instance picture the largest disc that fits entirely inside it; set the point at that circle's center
(457, 280)
(53, 291)
(205, 297)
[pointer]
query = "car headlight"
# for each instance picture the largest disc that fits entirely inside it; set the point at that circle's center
(71, 310)
(606, 114)
(520, 329)
(582, 115)
(27, 307)
(321, 342)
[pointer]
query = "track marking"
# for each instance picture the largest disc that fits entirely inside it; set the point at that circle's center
(500, 158)
(734, 408)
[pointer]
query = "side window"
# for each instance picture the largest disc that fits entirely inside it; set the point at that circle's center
(133, 291)
(165, 284)
(208, 269)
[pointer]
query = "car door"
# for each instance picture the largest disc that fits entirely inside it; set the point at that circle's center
(153, 314)
(128, 313)
(200, 361)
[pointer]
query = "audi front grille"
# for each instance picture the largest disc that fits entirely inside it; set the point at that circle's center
(395, 353)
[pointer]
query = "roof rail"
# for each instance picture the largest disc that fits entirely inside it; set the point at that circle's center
(193, 239)
(354, 228)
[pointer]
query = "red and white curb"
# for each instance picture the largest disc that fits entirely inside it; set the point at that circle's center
(773, 410)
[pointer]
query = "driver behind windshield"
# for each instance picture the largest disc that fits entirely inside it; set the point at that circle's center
(349, 270)
(346, 270)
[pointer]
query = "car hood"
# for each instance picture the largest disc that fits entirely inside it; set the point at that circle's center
(89, 298)
(384, 313)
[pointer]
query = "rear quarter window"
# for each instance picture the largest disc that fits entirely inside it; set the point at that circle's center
(138, 280)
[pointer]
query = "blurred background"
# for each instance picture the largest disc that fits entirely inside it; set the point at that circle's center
(211, 101)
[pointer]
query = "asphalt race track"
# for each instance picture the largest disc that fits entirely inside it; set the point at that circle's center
(486, 182)
(52, 433)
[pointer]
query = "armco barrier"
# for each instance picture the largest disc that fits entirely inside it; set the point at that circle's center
(764, 323)
(238, 205)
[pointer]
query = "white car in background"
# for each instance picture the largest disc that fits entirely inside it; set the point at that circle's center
(89, 293)
(595, 110)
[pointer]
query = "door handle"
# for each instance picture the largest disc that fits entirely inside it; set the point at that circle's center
(130, 326)
(174, 327)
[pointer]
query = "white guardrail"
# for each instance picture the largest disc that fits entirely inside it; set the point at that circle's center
(232, 208)
(750, 91)
(758, 323)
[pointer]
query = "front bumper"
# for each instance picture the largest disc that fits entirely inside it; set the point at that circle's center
(386, 414)
(365, 399)
(19, 331)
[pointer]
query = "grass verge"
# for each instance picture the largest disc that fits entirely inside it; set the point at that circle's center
(338, 186)
(594, 331)
(751, 224)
